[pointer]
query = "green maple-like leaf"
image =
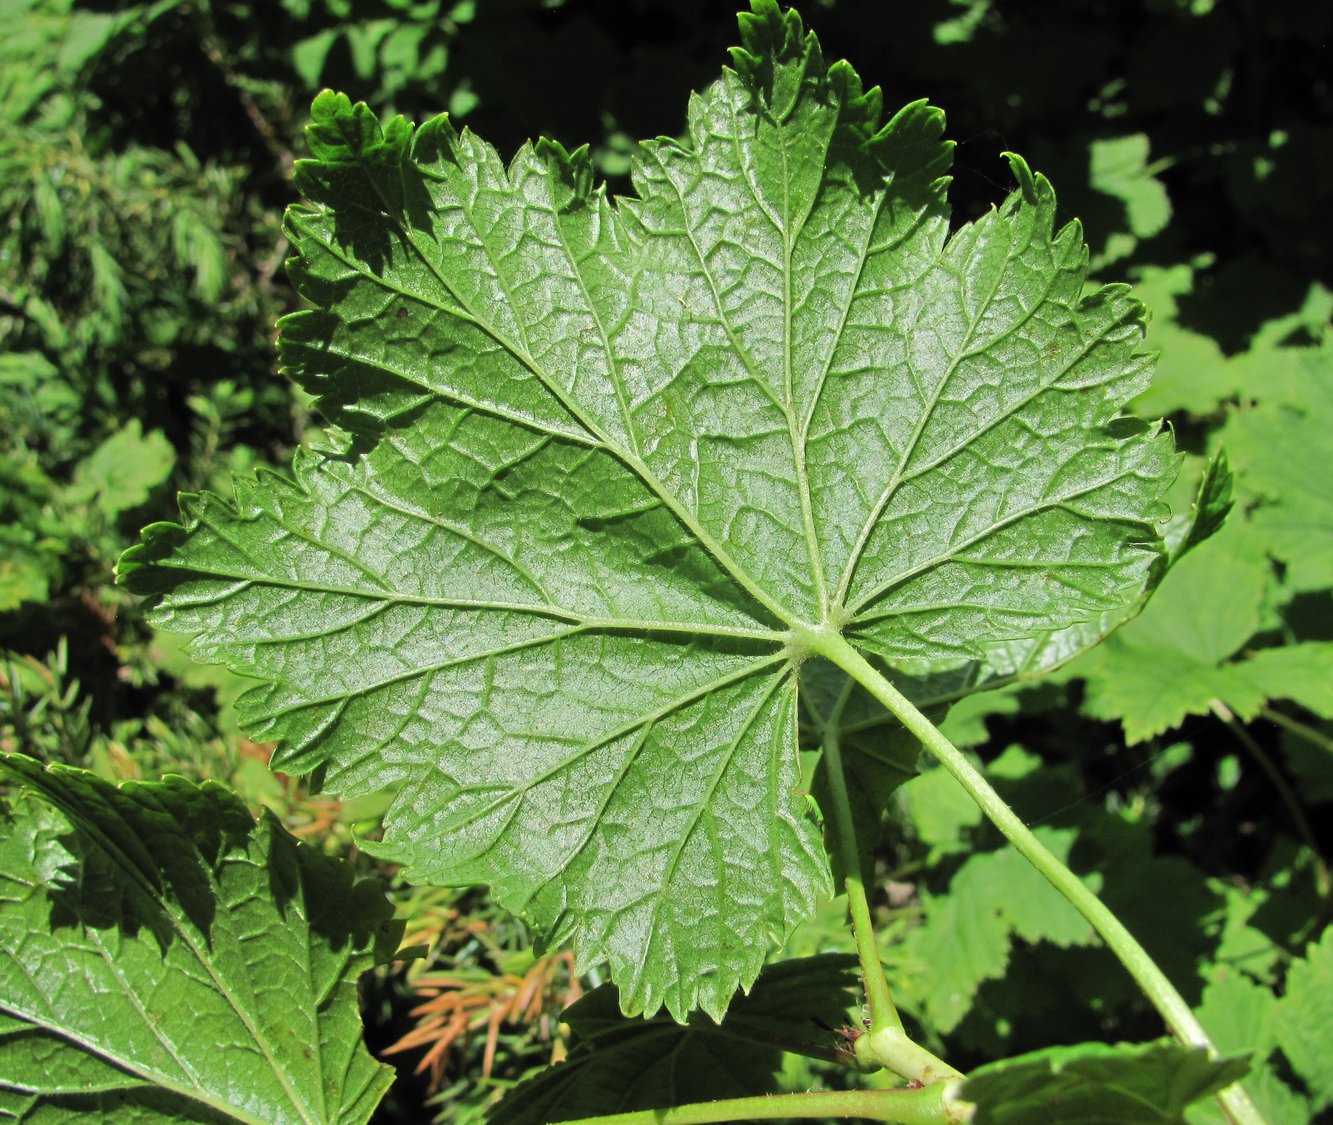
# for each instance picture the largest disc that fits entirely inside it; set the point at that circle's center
(1304, 1024)
(994, 898)
(1185, 652)
(1239, 1015)
(1281, 448)
(1171, 661)
(122, 472)
(613, 464)
(163, 958)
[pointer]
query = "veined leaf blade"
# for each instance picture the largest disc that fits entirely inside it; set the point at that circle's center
(165, 958)
(609, 459)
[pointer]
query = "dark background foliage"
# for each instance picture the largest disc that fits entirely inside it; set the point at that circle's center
(145, 161)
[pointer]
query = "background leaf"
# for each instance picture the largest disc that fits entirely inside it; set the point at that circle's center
(1172, 660)
(1281, 448)
(1136, 1085)
(1303, 1025)
(618, 1065)
(165, 958)
(121, 472)
(1238, 1013)
(993, 898)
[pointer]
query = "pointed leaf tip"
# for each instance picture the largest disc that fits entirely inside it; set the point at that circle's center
(1213, 502)
(1028, 183)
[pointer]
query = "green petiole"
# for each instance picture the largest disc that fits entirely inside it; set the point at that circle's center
(1176, 1013)
(888, 1043)
(937, 1104)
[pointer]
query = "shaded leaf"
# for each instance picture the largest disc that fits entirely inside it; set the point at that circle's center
(1096, 1082)
(1304, 1021)
(618, 1065)
(993, 898)
(1239, 1017)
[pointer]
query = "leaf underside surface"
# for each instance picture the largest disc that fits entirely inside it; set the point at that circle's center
(603, 466)
(163, 958)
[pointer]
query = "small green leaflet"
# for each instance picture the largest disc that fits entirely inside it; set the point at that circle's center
(604, 465)
(165, 958)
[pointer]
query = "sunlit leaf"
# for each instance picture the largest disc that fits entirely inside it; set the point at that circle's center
(165, 958)
(607, 465)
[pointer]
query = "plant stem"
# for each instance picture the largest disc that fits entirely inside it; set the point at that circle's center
(926, 1105)
(1323, 880)
(1154, 983)
(889, 1043)
(879, 998)
(1301, 730)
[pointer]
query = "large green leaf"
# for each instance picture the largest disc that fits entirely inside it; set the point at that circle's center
(607, 467)
(165, 958)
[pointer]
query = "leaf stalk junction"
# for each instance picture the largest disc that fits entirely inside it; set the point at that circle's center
(1175, 1012)
(933, 1093)
(887, 1043)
